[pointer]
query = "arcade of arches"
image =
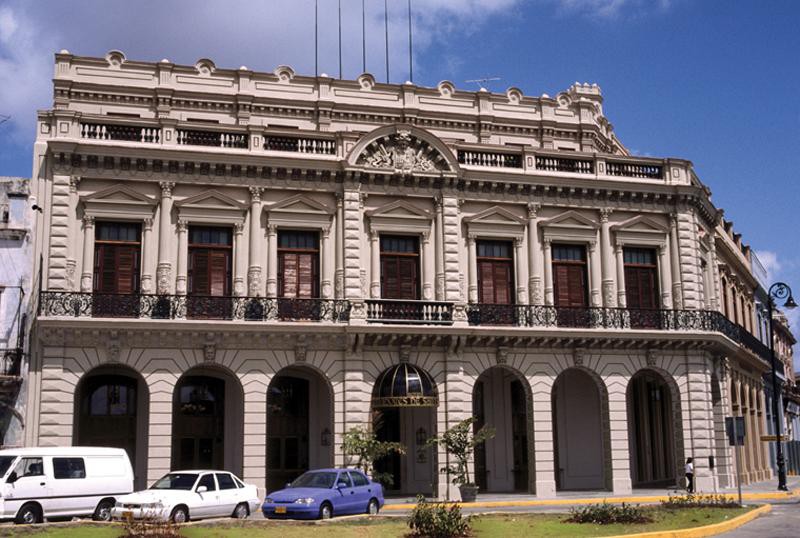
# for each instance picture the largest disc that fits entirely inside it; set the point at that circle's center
(573, 430)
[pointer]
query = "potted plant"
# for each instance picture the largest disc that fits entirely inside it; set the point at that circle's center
(361, 443)
(460, 442)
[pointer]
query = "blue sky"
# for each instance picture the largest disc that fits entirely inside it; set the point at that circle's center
(713, 81)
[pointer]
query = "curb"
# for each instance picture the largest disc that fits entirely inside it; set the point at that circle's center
(706, 530)
(612, 500)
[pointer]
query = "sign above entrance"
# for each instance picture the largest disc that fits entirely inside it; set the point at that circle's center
(405, 385)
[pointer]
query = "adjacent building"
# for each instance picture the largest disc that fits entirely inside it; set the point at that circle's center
(239, 266)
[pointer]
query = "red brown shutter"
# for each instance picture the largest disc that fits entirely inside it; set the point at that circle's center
(199, 272)
(305, 274)
(502, 283)
(289, 275)
(407, 278)
(127, 269)
(486, 291)
(218, 272)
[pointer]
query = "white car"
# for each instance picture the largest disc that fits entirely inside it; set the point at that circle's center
(184, 495)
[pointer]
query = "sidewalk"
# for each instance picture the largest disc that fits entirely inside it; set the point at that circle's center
(760, 491)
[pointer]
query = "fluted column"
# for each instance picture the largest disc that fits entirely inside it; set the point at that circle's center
(594, 269)
(165, 237)
(327, 261)
(87, 265)
(534, 256)
(548, 272)
(272, 260)
(72, 234)
(438, 239)
(675, 265)
(428, 267)
(665, 273)
(607, 260)
(375, 265)
(146, 282)
(522, 271)
(473, 268)
(239, 260)
(183, 256)
(622, 300)
(713, 276)
(339, 231)
(254, 268)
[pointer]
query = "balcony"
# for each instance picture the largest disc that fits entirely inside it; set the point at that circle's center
(489, 158)
(565, 164)
(103, 305)
(411, 312)
(125, 133)
(637, 170)
(217, 139)
(296, 144)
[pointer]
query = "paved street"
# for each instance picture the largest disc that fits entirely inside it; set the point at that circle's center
(782, 522)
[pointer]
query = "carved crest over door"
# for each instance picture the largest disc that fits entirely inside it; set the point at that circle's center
(403, 149)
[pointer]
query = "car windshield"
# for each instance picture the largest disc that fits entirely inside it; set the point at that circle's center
(320, 479)
(5, 463)
(183, 481)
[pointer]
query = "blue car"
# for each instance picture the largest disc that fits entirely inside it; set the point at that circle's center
(324, 493)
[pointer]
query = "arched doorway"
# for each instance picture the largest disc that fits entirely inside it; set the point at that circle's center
(404, 402)
(208, 409)
(299, 425)
(111, 410)
(500, 399)
(580, 423)
(651, 429)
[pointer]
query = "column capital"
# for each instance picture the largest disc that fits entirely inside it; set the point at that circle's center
(183, 225)
(426, 237)
(166, 188)
(471, 238)
(604, 213)
(517, 243)
(88, 221)
(592, 246)
(326, 231)
(73, 183)
(255, 194)
(272, 229)
(374, 235)
(362, 199)
(533, 209)
(238, 228)
(148, 224)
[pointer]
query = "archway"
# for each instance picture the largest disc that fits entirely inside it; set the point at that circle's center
(207, 421)
(652, 410)
(404, 402)
(111, 409)
(299, 425)
(581, 431)
(501, 399)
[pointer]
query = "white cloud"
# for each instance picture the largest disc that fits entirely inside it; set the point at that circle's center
(770, 262)
(607, 9)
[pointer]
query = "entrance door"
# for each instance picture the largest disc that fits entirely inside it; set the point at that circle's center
(288, 431)
(652, 435)
(107, 415)
(209, 272)
(387, 428)
(199, 427)
(115, 284)
(519, 432)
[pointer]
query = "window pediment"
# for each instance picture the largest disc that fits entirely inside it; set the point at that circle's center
(640, 230)
(211, 207)
(118, 201)
(496, 221)
(400, 216)
(569, 226)
(299, 211)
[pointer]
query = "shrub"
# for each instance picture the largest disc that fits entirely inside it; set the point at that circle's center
(691, 500)
(436, 520)
(606, 514)
(150, 527)
(362, 444)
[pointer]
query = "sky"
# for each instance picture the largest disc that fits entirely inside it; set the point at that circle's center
(712, 81)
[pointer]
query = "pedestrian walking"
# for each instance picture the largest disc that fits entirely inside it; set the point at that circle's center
(689, 470)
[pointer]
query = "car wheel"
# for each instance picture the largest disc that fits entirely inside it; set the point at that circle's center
(103, 510)
(29, 514)
(241, 511)
(372, 507)
(325, 511)
(179, 515)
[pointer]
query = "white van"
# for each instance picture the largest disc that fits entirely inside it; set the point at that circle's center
(37, 483)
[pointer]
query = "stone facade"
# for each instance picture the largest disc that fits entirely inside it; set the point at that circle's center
(168, 148)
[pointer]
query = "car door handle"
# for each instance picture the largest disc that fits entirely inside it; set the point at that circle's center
(41, 483)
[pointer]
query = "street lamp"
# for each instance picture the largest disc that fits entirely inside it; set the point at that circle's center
(779, 290)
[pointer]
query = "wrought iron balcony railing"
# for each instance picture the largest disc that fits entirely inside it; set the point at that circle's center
(416, 312)
(105, 305)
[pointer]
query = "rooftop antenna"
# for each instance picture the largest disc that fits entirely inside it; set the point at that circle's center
(316, 38)
(363, 38)
(410, 47)
(481, 81)
(386, 28)
(340, 39)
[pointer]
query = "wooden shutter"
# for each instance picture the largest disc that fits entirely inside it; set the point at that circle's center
(305, 276)
(288, 275)
(199, 272)
(640, 288)
(502, 282)
(105, 260)
(486, 290)
(407, 278)
(570, 285)
(127, 269)
(218, 272)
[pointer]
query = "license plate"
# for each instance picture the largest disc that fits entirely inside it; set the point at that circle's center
(280, 509)
(127, 514)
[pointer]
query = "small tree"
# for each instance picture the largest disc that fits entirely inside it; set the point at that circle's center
(362, 444)
(460, 442)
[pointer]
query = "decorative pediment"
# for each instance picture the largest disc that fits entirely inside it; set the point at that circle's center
(495, 221)
(299, 210)
(212, 207)
(570, 219)
(640, 230)
(118, 201)
(569, 226)
(403, 149)
(400, 216)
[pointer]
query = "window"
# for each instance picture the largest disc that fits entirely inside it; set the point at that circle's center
(641, 283)
(29, 467)
(359, 479)
(4, 211)
(110, 396)
(298, 264)
(208, 481)
(399, 267)
(345, 477)
(210, 260)
(569, 276)
(225, 481)
(117, 250)
(495, 272)
(69, 468)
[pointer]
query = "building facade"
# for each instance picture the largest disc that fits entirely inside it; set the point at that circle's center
(16, 263)
(238, 267)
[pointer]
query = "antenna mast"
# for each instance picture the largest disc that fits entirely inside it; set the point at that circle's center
(481, 81)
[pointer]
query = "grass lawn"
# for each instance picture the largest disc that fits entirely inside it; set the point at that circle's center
(491, 526)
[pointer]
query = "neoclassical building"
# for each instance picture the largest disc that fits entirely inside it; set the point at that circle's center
(240, 266)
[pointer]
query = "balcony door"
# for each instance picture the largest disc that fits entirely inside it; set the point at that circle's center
(495, 281)
(117, 252)
(641, 286)
(298, 274)
(209, 274)
(570, 285)
(400, 267)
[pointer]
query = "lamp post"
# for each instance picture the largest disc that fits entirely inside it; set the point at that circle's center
(779, 290)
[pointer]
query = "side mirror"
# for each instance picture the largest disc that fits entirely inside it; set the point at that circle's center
(341, 485)
(288, 484)
(201, 489)
(12, 477)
